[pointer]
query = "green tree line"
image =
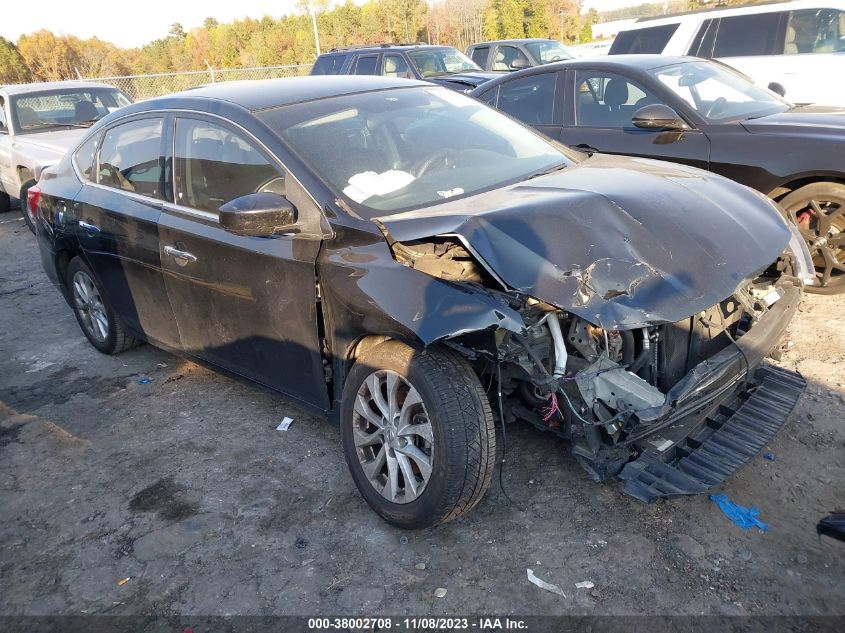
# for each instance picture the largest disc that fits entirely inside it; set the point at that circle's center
(289, 39)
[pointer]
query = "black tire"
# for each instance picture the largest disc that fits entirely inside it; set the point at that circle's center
(5, 202)
(24, 206)
(463, 446)
(802, 206)
(115, 339)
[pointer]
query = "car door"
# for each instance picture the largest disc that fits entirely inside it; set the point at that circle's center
(598, 112)
(533, 99)
(246, 304)
(117, 212)
(6, 180)
(752, 43)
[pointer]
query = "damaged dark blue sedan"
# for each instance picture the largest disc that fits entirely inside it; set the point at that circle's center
(418, 266)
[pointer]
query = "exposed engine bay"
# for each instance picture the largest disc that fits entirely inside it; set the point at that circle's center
(606, 390)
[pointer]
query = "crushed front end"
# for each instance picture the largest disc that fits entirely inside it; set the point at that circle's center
(671, 408)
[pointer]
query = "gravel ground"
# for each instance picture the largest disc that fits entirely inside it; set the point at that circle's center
(180, 497)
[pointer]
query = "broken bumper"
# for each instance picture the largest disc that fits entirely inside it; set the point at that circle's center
(718, 417)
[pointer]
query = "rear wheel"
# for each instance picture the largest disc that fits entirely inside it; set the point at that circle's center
(818, 210)
(93, 312)
(24, 206)
(417, 433)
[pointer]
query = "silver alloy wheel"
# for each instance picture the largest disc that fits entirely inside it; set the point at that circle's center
(393, 436)
(90, 306)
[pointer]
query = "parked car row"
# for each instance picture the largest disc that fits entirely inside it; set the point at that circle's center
(39, 123)
(407, 260)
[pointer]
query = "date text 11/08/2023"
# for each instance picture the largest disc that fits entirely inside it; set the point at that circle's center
(418, 624)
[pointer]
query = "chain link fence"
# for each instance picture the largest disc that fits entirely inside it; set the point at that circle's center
(140, 87)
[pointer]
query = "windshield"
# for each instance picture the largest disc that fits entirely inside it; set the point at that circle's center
(65, 108)
(431, 62)
(408, 148)
(718, 93)
(548, 52)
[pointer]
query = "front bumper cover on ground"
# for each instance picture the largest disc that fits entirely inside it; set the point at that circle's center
(714, 423)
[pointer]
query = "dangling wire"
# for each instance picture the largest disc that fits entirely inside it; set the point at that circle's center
(553, 409)
(504, 436)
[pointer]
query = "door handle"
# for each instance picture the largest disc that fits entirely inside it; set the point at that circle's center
(91, 228)
(183, 258)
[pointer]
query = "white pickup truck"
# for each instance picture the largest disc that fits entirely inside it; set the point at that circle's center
(39, 123)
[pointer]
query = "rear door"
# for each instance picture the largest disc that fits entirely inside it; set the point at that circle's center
(247, 304)
(6, 180)
(117, 211)
(752, 43)
(533, 99)
(598, 112)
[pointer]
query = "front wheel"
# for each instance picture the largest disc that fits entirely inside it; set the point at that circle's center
(93, 312)
(418, 434)
(818, 209)
(30, 221)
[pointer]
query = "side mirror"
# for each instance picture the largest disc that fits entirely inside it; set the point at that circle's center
(777, 88)
(519, 64)
(258, 214)
(657, 116)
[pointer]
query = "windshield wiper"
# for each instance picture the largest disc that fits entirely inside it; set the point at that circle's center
(547, 171)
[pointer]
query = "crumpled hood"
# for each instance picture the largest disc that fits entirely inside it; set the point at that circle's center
(58, 141)
(805, 120)
(621, 242)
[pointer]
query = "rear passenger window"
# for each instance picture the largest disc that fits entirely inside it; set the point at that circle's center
(130, 158)
(480, 55)
(748, 35)
(214, 165)
(530, 99)
(328, 65)
(366, 65)
(815, 31)
(85, 156)
(648, 40)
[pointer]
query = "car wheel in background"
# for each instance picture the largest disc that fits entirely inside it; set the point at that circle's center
(30, 221)
(418, 434)
(93, 312)
(819, 211)
(5, 202)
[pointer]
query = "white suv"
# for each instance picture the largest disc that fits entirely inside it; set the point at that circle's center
(799, 45)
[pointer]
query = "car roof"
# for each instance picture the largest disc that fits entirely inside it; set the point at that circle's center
(613, 62)
(261, 94)
(46, 86)
(727, 11)
(382, 47)
(519, 40)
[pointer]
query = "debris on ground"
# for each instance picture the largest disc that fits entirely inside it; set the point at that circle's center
(420, 566)
(145, 380)
(440, 592)
(833, 526)
(403, 540)
(746, 518)
(284, 425)
(769, 456)
(585, 584)
(123, 581)
(542, 584)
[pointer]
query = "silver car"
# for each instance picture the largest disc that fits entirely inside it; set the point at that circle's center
(39, 123)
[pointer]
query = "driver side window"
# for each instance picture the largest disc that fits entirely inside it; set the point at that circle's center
(510, 58)
(608, 100)
(214, 165)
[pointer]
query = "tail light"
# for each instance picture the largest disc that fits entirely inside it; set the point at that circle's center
(33, 195)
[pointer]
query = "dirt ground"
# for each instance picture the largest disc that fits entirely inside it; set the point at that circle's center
(180, 497)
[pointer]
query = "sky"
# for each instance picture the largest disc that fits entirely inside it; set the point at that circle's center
(134, 24)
